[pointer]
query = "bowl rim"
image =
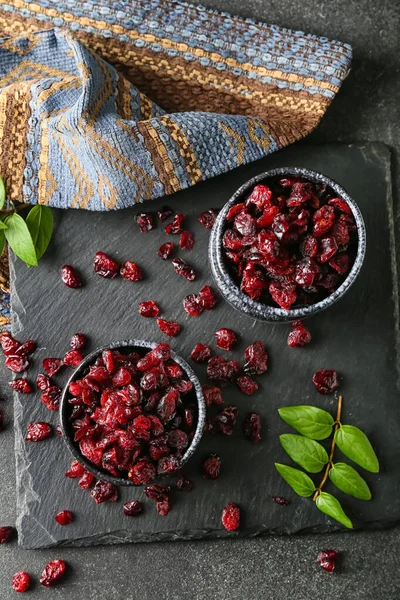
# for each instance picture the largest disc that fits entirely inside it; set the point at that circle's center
(64, 420)
(258, 310)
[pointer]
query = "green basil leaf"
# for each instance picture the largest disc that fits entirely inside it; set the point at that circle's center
(330, 506)
(2, 241)
(349, 481)
(310, 421)
(305, 452)
(301, 483)
(355, 445)
(40, 225)
(3, 225)
(19, 238)
(2, 193)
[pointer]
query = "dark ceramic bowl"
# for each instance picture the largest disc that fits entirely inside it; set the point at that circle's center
(65, 409)
(258, 310)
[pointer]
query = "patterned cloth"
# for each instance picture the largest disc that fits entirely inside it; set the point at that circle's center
(99, 101)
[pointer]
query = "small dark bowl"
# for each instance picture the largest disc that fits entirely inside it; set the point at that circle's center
(65, 409)
(258, 310)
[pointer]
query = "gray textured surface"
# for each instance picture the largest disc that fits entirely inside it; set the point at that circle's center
(367, 108)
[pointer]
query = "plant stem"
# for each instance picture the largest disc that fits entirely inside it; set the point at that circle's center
(329, 465)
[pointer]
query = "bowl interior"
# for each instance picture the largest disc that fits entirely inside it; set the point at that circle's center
(193, 397)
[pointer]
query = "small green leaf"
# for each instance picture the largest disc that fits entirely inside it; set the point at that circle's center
(330, 506)
(3, 225)
(301, 483)
(310, 421)
(40, 225)
(349, 481)
(355, 445)
(19, 238)
(2, 241)
(2, 193)
(305, 452)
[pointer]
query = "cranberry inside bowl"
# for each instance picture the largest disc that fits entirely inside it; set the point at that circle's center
(288, 244)
(132, 411)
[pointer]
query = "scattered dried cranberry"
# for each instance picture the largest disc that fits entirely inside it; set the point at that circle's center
(43, 382)
(21, 581)
(299, 336)
(326, 381)
(144, 221)
(64, 517)
(186, 241)
(7, 534)
(225, 421)
(231, 517)
(104, 491)
(192, 305)
(76, 470)
(252, 427)
(164, 213)
(149, 309)
(327, 559)
(207, 218)
(212, 395)
(86, 481)
(157, 492)
(52, 365)
(184, 484)
(26, 348)
(51, 397)
(200, 353)
(207, 298)
(133, 509)
(182, 268)
(175, 226)
(279, 500)
(255, 359)
(9, 344)
(221, 370)
(211, 466)
(131, 271)
(163, 507)
(105, 266)
(247, 385)
(53, 572)
(70, 277)
(21, 385)
(225, 338)
(78, 341)
(38, 432)
(169, 327)
(166, 250)
(73, 358)
(17, 364)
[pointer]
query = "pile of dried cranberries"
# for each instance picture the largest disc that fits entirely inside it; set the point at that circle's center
(290, 243)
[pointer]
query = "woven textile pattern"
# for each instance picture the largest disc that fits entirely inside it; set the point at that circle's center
(100, 101)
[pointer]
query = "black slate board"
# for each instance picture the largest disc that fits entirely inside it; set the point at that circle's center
(357, 336)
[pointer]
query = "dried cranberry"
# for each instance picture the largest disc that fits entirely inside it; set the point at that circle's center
(163, 507)
(9, 345)
(7, 534)
(340, 205)
(177, 439)
(21, 385)
(186, 241)
(225, 421)
(170, 328)
(184, 484)
(279, 500)
(21, 581)
(43, 382)
(200, 353)
(164, 213)
(328, 249)
(255, 359)
(133, 509)
(207, 218)
(157, 492)
(76, 470)
(231, 517)
(327, 559)
(326, 381)
(38, 432)
(212, 395)
(182, 268)
(340, 263)
(51, 397)
(175, 226)
(211, 466)
(105, 266)
(70, 277)
(165, 250)
(26, 348)
(306, 271)
(78, 341)
(144, 221)
(52, 365)
(298, 337)
(64, 517)
(192, 306)
(252, 427)
(17, 364)
(207, 298)
(309, 246)
(86, 481)
(225, 338)
(222, 370)
(104, 491)
(149, 309)
(142, 472)
(247, 385)
(169, 464)
(131, 272)
(73, 358)
(53, 572)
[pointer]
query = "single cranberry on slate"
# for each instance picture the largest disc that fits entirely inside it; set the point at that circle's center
(9, 345)
(175, 226)
(164, 213)
(144, 221)
(225, 338)
(207, 218)
(7, 534)
(255, 359)
(70, 277)
(52, 365)
(170, 328)
(163, 507)
(200, 353)
(326, 381)
(299, 336)
(105, 266)
(64, 517)
(36, 432)
(104, 491)
(73, 358)
(165, 250)
(247, 385)
(181, 267)
(186, 241)
(17, 364)
(211, 466)
(157, 492)
(21, 581)
(222, 370)
(192, 306)
(51, 397)
(21, 385)
(53, 573)
(76, 470)
(78, 341)
(212, 395)
(231, 517)
(149, 309)
(225, 420)
(207, 298)
(133, 509)
(86, 481)
(327, 559)
(279, 500)
(43, 382)
(131, 272)
(26, 348)
(252, 427)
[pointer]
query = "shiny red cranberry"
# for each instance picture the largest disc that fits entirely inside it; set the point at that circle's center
(157, 492)
(76, 470)
(252, 427)
(170, 328)
(225, 338)
(225, 420)
(133, 509)
(327, 559)
(206, 297)
(255, 359)
(104, 491)
(70, 277)
(26, 348)
(221, 370)
(247, 385)
(105, 266)
(43, 382)
(200, 353)
(53, 573)
(86, 481)
(164, 213)
(192, 305)
(7, 534)
(21, 581)
(231, 517)
(64, 517)
(175, 226)
(207, 218)
(212, 395)
(166, 250)
(144, 222)
(326, 381)
(186, 241)
(51, 397)
(279, 500)
(78, 341)
(298, 337)
(131, 271)
(182, 268)
(17, 364)
(36, 432)
(211, 466)
(73, 358)
(9, 344)
(149, 309)
(142, 472)
(163, 507)
(52, 365)
(21, 385)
